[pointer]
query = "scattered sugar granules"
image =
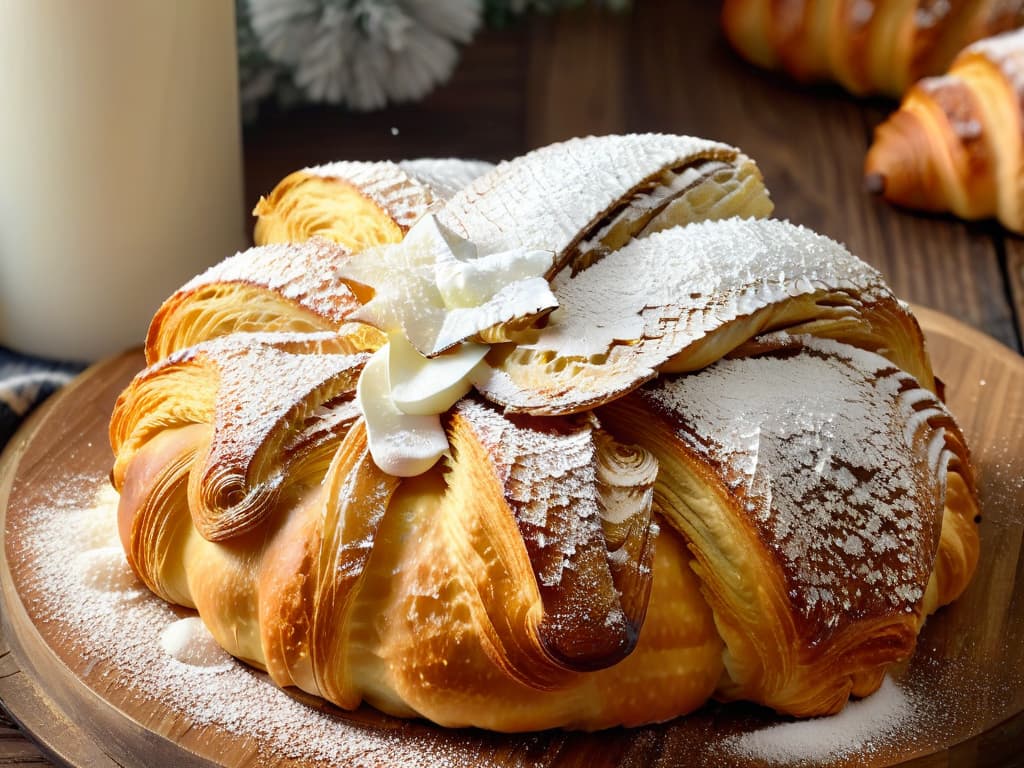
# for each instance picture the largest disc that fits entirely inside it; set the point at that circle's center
(859, 728)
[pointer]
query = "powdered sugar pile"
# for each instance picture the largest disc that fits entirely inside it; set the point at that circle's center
(188, 641)
(858, 729)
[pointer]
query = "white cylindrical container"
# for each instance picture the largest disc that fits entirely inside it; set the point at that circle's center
(120, 165)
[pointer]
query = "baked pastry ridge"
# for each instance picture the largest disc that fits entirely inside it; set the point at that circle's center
(357, 204)
(583, 565)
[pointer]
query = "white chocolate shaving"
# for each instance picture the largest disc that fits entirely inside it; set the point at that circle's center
(424, 287)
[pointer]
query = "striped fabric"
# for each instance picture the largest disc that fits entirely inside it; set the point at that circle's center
(25, 382)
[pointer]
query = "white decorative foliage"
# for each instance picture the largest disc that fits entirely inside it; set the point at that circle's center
(365, 53)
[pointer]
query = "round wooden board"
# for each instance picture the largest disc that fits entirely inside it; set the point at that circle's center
(967, 677)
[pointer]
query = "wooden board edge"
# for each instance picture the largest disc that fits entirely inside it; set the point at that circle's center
(46, 716)
(935, 322)
(1015, 275)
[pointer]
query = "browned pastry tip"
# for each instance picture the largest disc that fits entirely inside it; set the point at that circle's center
(900, 163)
(874, 183)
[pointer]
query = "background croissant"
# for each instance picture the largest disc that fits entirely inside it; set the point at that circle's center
(957, 141)
(682, 485)
(868, 47)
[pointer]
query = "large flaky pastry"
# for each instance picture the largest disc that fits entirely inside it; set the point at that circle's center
(956, 143)
(718, 468)
(868, 46)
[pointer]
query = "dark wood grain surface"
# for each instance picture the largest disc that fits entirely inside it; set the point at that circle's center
(662, 67)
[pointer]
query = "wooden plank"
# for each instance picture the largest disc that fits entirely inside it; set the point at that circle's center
(15, 748)
(479, 113)
(577, 69)
(810, 144)
(1014, 248)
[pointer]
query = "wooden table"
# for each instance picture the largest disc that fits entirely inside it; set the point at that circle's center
(663, 67)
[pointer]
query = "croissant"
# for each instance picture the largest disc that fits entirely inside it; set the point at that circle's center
(873, 46)
(379, 200)
(716, 467)
(955, 144)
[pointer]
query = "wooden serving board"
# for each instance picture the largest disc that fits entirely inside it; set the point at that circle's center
(965, 684)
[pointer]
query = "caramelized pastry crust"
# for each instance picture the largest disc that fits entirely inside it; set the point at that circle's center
(808, 479)
(956, 143)
(718, 469)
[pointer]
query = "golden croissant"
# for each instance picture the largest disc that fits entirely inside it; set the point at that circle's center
(956, 144)
(717, 468)
(873, 46)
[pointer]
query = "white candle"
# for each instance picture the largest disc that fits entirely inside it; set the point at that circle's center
(120, 164)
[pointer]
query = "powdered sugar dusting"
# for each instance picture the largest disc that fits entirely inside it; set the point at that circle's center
(631, 312)
(445, 176)
(721, 270)
(931, 14)
(548, 469)
(301, 273)
(1006, 51)
(403, 197)
(821, 448)
(259, 383)
(954, 96)
(257, 390)
(861, 12)
(548, 198)
(546, 472)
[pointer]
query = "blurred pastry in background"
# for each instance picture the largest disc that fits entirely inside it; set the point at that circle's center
(955, 144)
(868, 46)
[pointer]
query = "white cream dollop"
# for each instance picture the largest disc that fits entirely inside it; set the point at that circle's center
(432, 292)
(438, 291)
(400, 443)
(430, 385)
